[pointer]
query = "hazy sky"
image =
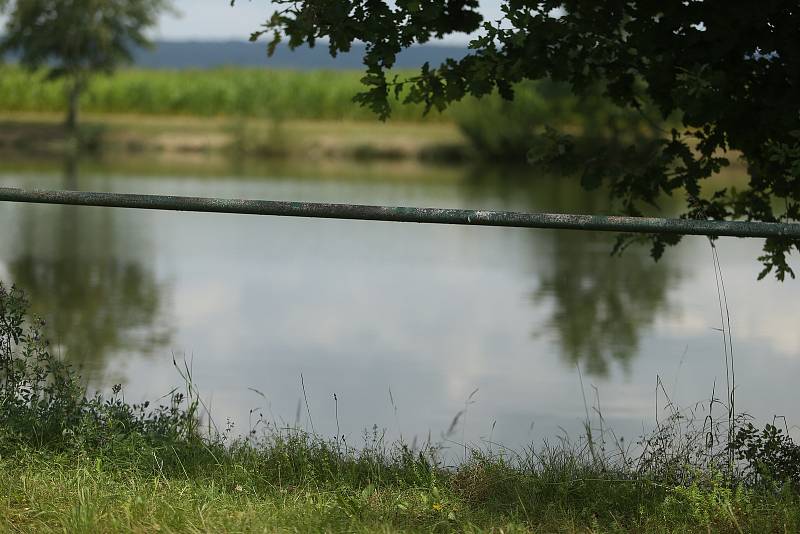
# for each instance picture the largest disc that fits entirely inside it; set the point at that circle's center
(213, 19)
(216, 19)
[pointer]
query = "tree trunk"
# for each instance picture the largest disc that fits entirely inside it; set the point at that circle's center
(72, 105)
(71, 172)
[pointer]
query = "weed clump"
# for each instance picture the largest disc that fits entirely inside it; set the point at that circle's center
(44, 403)
(770, 456)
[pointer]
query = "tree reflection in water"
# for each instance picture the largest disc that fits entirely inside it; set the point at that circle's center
(601, 304)
(87, 273)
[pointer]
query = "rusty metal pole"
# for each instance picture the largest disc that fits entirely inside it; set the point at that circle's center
(646, 225)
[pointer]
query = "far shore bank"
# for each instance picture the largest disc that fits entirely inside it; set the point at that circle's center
(170, 137)
(214, 146)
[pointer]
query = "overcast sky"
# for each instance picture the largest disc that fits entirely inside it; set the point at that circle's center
(217, 20)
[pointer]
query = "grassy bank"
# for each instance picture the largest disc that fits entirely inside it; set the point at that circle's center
(77, 463)
(297, 484)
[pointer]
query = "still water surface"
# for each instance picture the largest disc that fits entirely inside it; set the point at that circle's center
(359, 309)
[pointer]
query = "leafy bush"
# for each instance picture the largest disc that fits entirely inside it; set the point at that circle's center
(524, 128)
(770, 455)
(37, 393)
(43, 402)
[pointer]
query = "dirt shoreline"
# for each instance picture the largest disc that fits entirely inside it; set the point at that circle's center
(181, 136)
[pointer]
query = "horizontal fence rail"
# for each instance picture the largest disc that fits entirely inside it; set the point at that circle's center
(646, 225)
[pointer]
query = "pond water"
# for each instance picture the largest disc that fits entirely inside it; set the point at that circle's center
(406, 324)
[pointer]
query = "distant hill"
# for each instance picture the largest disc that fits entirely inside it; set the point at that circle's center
(206, 54)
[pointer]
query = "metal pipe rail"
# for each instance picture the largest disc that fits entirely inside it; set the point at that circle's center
(646, 225)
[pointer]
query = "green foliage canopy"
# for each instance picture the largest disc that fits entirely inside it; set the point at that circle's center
(732, 69)
(77, 35)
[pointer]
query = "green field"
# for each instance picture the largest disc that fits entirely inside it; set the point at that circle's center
(284, 94)
(254, 93)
